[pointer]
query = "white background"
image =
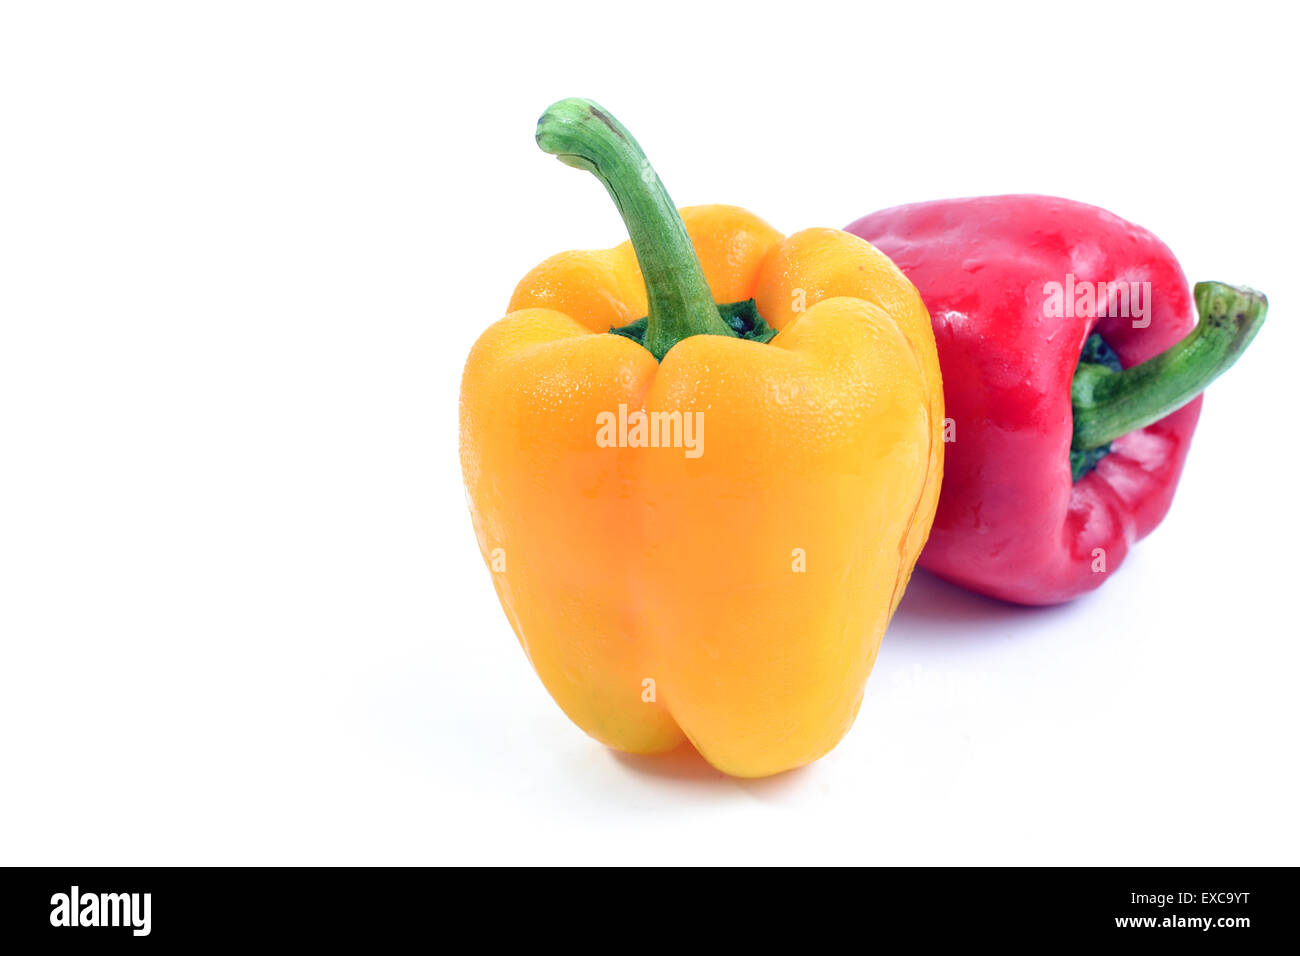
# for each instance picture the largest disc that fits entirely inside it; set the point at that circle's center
(244, 251)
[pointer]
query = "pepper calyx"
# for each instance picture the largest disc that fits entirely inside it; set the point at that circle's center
(1096, 351)
(741, 317)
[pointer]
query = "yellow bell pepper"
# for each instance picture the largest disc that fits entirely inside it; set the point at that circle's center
(696, 532)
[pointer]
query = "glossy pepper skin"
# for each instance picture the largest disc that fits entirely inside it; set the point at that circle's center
(619, 566)
(1012, 521)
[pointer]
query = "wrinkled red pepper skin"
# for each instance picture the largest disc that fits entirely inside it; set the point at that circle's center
(1011, 522)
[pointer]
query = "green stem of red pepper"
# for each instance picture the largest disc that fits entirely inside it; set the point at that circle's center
(584, 136)
(1109, 403)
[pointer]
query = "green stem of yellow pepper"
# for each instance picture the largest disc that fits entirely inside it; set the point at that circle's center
(584, 136)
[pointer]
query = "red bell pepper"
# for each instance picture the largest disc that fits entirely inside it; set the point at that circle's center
(1072, 367)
